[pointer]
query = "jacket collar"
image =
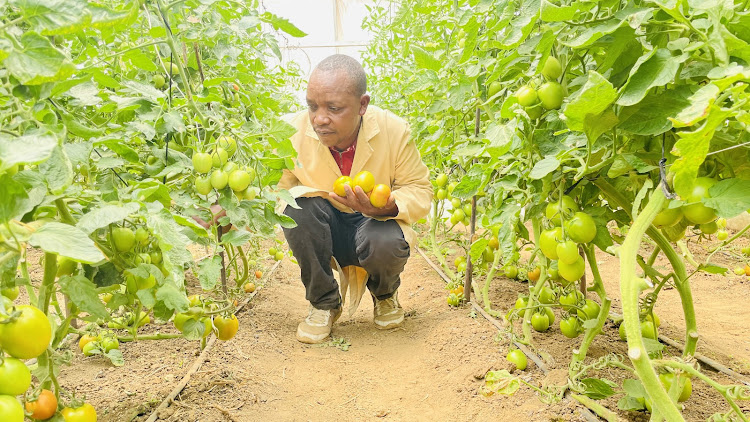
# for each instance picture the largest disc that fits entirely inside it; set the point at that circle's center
(367, 131)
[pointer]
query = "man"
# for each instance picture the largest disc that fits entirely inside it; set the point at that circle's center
(341, 134)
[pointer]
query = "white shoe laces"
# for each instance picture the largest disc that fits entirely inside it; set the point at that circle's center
(318, 317)
(386, 306)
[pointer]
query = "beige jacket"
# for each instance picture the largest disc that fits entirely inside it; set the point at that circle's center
(383, 148)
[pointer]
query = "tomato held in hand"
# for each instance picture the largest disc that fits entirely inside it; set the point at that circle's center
(85, 413)
(380, 195)
(517, 358)
(44, 407)
(28, 336)
(365, 180)
(338, 185)
(226, 327)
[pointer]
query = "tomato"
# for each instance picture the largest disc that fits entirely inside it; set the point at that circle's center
(144, 283)
(44, 407)
(239, 180)
(458, 290)
(365, 180)
(494, 243)
(65, 266)
(552, 212)
(521, 303)
(534, 274)
(10, 409)
(219, 157)
(621, 331)
(517, 358)
(457, 216)
(203, 185)
(338, 185)
(84, 340)
(219, 179)
(739, 271)
(551, 95)
(548, 240)
(722, 223)
(511, 271)
(571, 299)
(540, 322)
(175, 69)
(85, 413)
(279, 256)
(258, 274)
(141, 236)
(272, 251)
(441, 180)
(28, 336)
(567, 252)
(709, 228)
(456, 203)
(648, 330)
(526, 96)
(570, 327)
(488, 255)
(667, 378)
(552, 68)
(179, 320)
(553, 273)
(747, 270)
(668, 217)
(451, 187)
(675, 233)
(226, 327)
(746, 251)
(696, 212)
(572, 272)
(158, 81)
(155, 257)
(589, 311)
(380, 195)
(11, 292)
(467, 209)
(655, 319)
(142, 258)
(15, 377)
(534, 112)
(547, 296)
(550, 315)
(250, 193)
(202, 162)
(441, 194)
(249, 287)
(90, 348)
(581, 228)
(123, 238)
(227, 142)
(493, 89)
(453, 299)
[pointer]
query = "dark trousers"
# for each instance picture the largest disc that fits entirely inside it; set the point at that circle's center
(323, 231)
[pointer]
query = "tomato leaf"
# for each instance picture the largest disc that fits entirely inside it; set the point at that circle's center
(66, 240)
(477, 248)
(713, 269)
(598, 389)
(14, 197)
(57, 171)
(38, 61)
(656, 68)
(470, 183)
(500, 382)
(82, 292)
(53, 17)
(209, 272)
(544, 167)
(425, 60)
(653, 114)
(596, 95)
(282, 24)
(172, 297)
(27, 149)
(554, 13)
(236, 237)
(115, 356)
(697, 107)
(729, 197)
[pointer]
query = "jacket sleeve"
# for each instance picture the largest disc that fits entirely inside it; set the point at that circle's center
(412, 189)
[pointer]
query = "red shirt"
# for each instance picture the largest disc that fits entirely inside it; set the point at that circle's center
(344, 158)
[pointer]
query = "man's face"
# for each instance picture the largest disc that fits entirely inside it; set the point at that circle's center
(334, 109)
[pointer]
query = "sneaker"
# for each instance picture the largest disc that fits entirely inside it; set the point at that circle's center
(388, 313)
(317, 326)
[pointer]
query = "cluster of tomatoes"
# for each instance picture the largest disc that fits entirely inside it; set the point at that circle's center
(223, 172)
(674, 219)
(201, 320)
(443, 190)
(549, 96)
(378, 194)
(25, 333)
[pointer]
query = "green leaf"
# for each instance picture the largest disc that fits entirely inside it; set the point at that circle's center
(554, 13)
(66, 240)
(652, 115)
(477, 248)
(597, 389)
(425, 60)
(82, 292)
(593, 98)
(105, 215)
(38, 61)
(103, 17)
(500, 137)
(115, 356)
(697, 107)
(57, 171)
(121, 148)
(656, 68)
(53, 17)
(593, 33)
(14, 197)
(236, 238)
(28, 149)
(713, 269)
(595, 126)
(500, 382)
(172, 297)
(282, 24)
(692, 148)
(544, 167)
(729, 197)
(470, 183)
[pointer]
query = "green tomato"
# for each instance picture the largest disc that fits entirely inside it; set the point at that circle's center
(648, 330)
(142, 258)
(552, 69)
(156, 257)
(441, 180)
(571, 299)
(10, 409)
(279, 256)
(551, 95)
(567, 252)
(589, 311)
(553, 213)
(548, 241)
(456, 203)
(202, 162)
(441, 194)
(696, 212)
(453, 299)
(521, 303)
(547, 296)
(141, 235)
(722, 235)
(219, 179)
(534, 112)
(239, 180)
(11, 292)
(581, 228)
(722, 223)
(667, 379)
(230, 166)
(526, 96)
(15, 377)
(488, 255)
(540, 322)
(570, 327)
(511, 271)
(228, 143)
(90, 348)
(219, 157)
(668, 217)
(550, 315)
(203, 185)
(451, 186)
(124, 239)
(709, 228)
(15, 338)
(65, 266)
(158, 80)
(493, 89)
(517, 358)
(572, 272)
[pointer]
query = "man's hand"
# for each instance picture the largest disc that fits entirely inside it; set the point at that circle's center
(358, 201)
(217, 212)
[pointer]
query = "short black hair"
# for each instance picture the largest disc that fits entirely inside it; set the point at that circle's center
(350, 66)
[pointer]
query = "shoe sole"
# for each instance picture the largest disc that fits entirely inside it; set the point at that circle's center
(390, 325)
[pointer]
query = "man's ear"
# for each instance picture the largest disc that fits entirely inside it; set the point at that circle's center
(363, 103)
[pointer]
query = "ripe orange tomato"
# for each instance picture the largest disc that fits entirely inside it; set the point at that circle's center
(43, 407)
(534, 274)
(380, 195)
(226, 327)
(249, 287)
